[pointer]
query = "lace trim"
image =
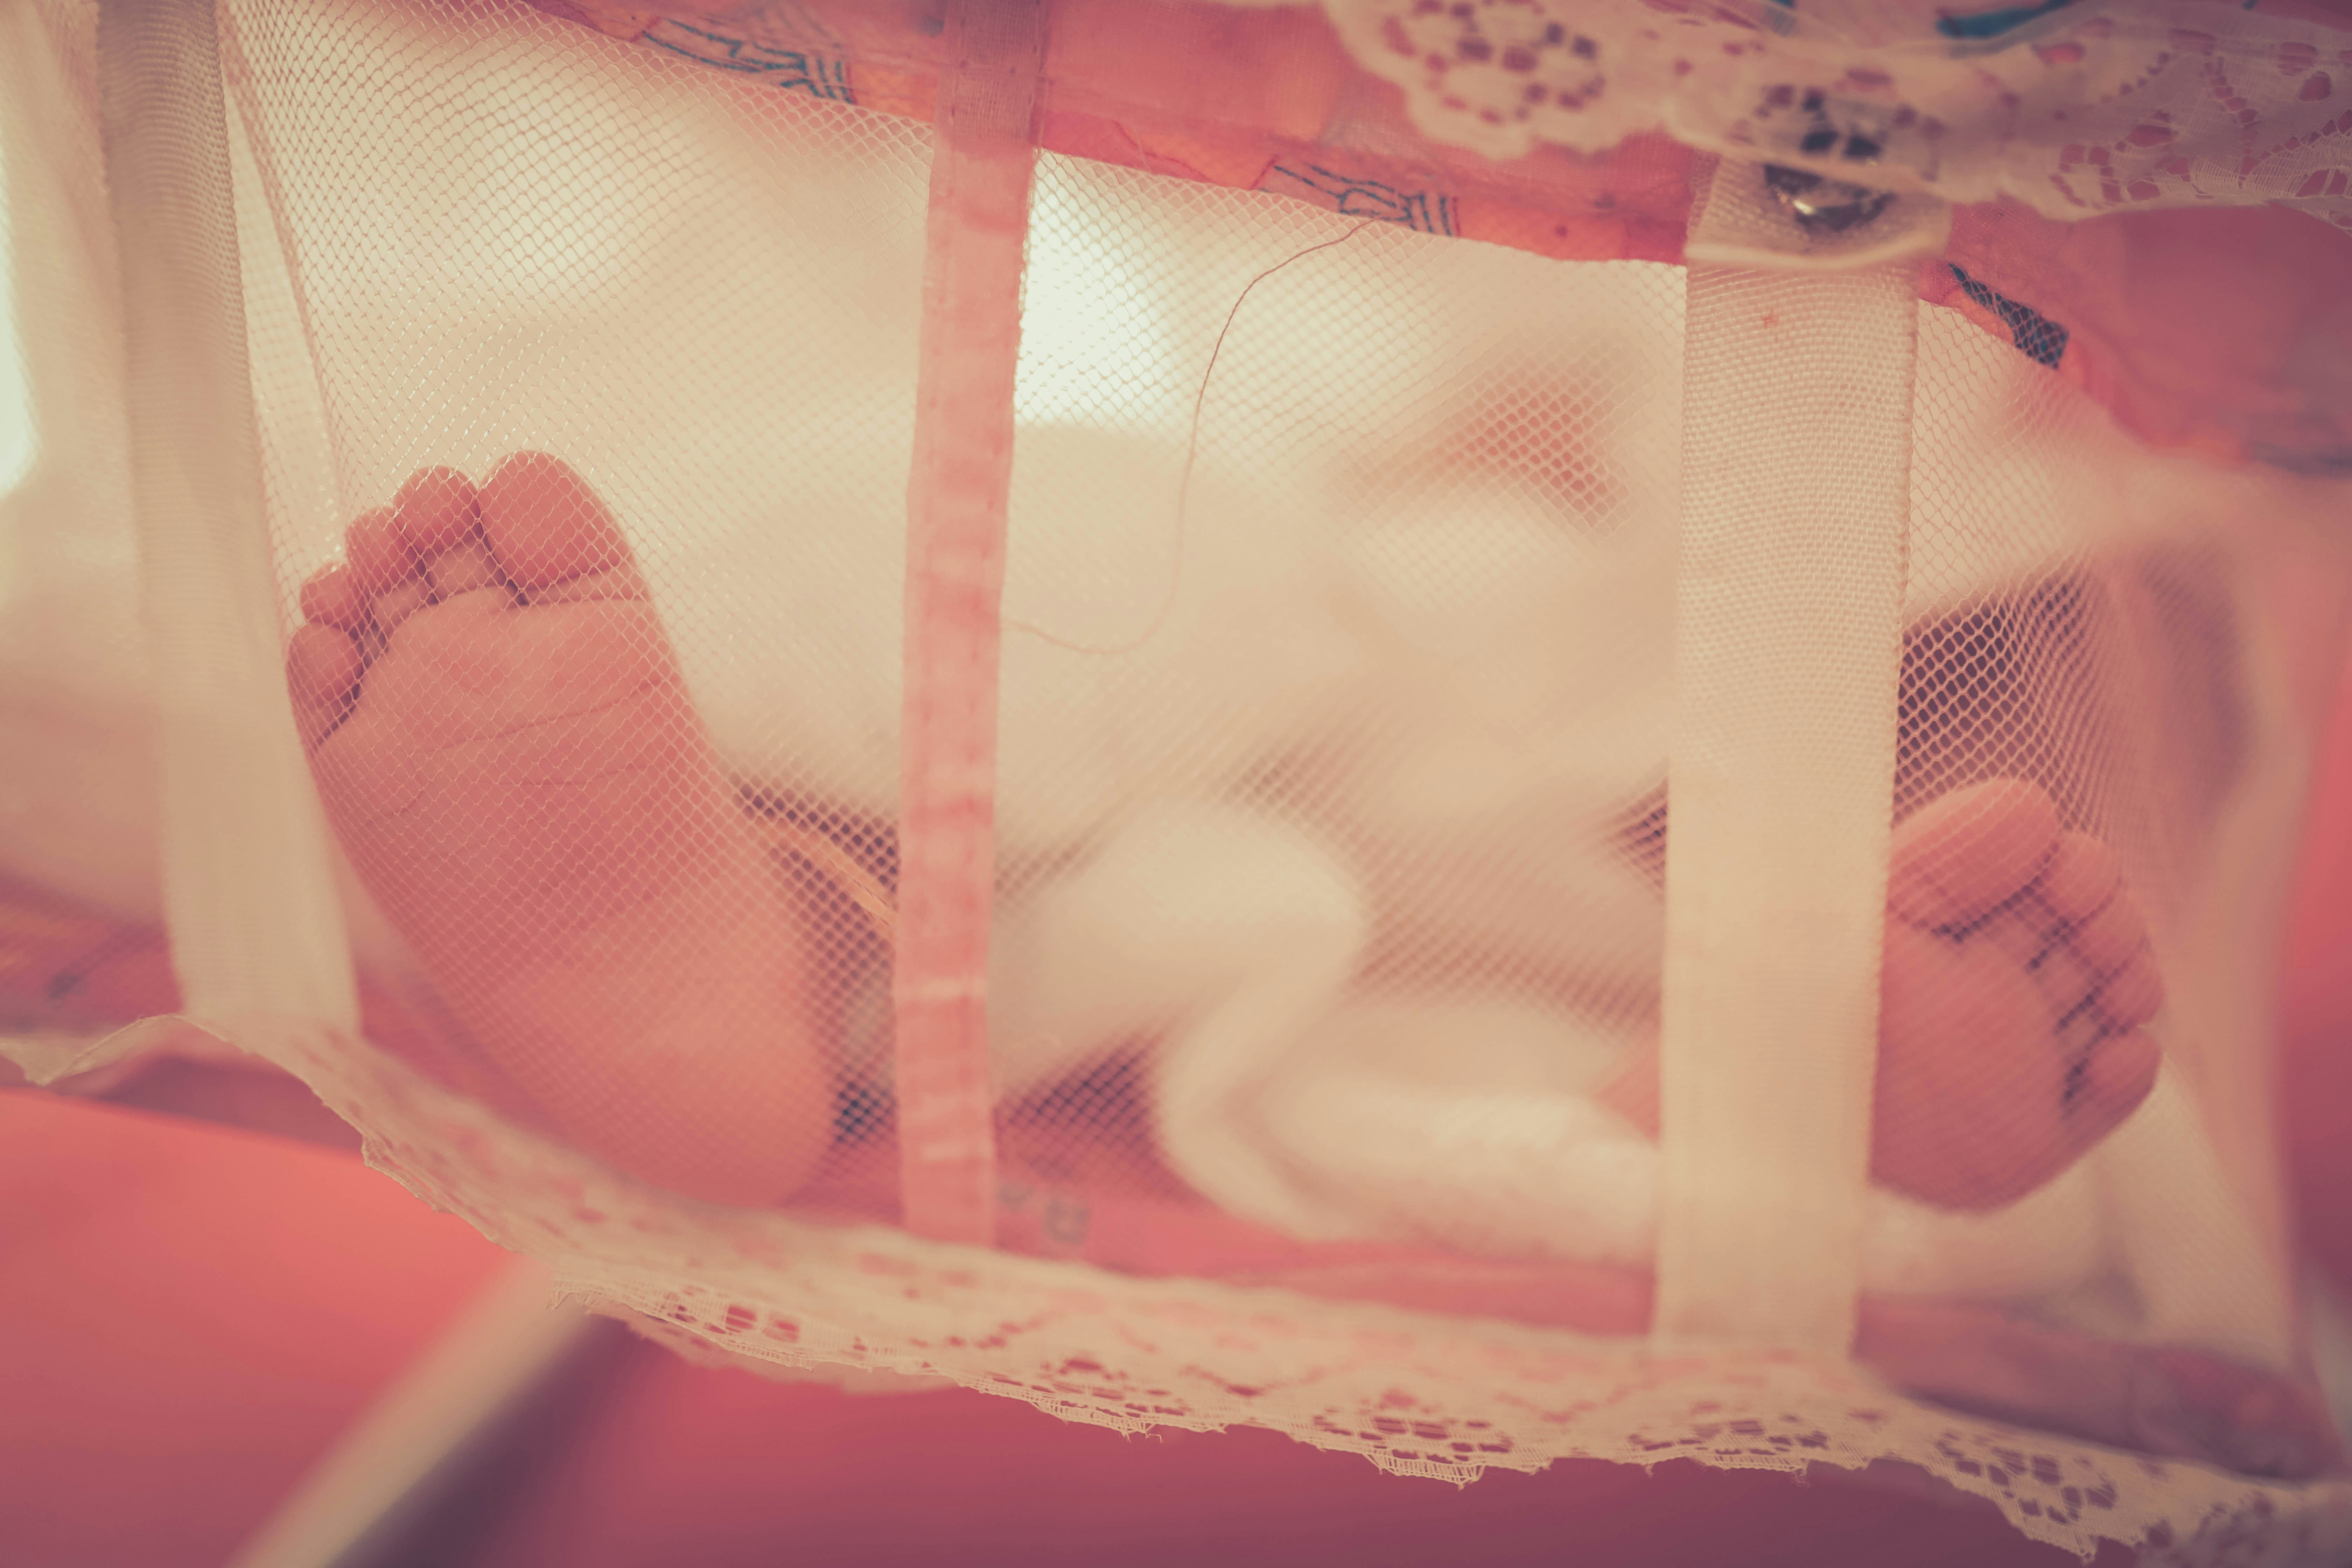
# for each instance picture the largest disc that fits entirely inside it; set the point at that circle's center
(1416, 1393)
(2073, 109)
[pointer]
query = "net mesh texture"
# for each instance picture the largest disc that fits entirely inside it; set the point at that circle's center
(1337, 702)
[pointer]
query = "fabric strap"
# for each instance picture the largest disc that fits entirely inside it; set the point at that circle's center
(981, 164)
(1795, 517)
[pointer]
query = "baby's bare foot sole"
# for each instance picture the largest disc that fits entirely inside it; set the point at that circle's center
(503, 742)
(2015, 983)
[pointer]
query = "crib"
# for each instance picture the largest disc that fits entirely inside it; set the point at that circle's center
(1138, 644)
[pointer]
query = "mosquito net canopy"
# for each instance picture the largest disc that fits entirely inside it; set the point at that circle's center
(1486, 730)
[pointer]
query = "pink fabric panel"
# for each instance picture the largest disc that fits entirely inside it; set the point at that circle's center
(2225, 331)
(2220, 330)
(979, 225)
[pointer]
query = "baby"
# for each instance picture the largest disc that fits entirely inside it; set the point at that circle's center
(506, 747)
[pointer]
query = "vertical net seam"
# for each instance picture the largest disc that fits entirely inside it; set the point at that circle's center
(975, 245)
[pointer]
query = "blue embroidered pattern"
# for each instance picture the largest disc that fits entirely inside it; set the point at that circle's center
(2037, 337)
(795, 70)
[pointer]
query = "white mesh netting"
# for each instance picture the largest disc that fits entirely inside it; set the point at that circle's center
(1334, 1034)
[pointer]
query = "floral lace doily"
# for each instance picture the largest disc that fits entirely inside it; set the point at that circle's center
(2071, 109)
(1417, 1394)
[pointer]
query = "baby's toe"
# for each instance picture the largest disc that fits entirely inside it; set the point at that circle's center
(380, 558)
(438, 516)
(2110, 938)
(333, 598)
(547, 527)
(322, 675)
(401, 602)
(1959, 858)
(2082, 876)
(435, 510)
(2132, 995)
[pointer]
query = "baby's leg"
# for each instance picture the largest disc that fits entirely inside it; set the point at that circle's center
(504, 745)
(2015, 981)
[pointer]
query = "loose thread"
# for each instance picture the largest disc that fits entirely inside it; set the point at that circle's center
(1184, 483)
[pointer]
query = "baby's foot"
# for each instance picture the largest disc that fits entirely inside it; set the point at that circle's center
(503, 742)
(2015, 981)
